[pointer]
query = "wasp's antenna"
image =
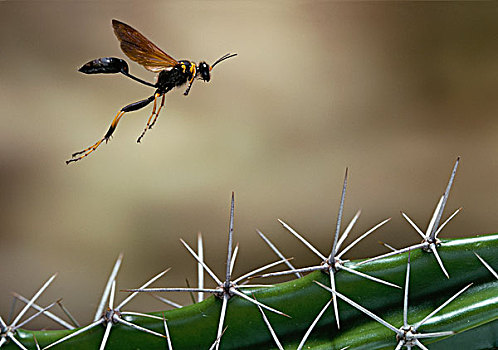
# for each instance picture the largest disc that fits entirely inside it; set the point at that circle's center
(222, 58)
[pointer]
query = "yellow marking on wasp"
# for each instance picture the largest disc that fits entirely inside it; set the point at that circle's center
(184, 67)
(193, 70)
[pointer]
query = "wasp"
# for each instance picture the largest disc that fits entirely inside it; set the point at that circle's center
(171, 74)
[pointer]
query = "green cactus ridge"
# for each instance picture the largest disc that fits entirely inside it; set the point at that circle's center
(473, 315)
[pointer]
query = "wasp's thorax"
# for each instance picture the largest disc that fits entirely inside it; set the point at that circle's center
(189, 69)
(176, 76)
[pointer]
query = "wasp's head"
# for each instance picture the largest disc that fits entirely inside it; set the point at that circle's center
(204, 71)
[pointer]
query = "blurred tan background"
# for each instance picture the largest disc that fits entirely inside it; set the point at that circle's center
(395, 91)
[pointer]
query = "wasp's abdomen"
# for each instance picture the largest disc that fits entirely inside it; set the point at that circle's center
(105, 65)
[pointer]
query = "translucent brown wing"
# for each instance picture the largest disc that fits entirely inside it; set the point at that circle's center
(140, 49)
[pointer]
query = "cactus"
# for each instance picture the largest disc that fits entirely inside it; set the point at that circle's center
(447, 297)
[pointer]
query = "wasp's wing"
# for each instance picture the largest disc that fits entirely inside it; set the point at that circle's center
(140, 49)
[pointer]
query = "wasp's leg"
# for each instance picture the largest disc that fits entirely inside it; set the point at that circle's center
(92, 148)
(131, 107)
(139, 104)
(85, 152)
(157, 113)
(154, 113)
(189, 86)
(193, 72)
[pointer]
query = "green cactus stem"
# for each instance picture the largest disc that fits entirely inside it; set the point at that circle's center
(473, 316)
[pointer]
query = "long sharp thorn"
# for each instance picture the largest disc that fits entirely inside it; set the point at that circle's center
(208, 270)
(69, 315)
(279, 254)
(400, 345)
(36, 343)
(256, 286)
(254, 301)
(433, 335)
(445, 199)
(364, 275)
(200, 268)
(339, 218)
(253, 272)
(107, 289)
(399, 251)
(218, 339)
(419, 231)
(405, 298)
(230, 239)
(166, 330)
(35, 315)
(167, 301)
(18, 343)
(418, 324)
(373, 229)
(360, 308)
(33, 299)
(74, 334)
(234, 257)
(145, 285)
(133, 313)
(46, 313)
(487, 266)
(3, 340)
(447, 220)
(191, 293)
(289, 272)
(222, 318)
(432, 223)
(420, 345)
(334, 299)
(12, 309)
(310, 328)
(438, 258)
(137, 327)
(348, 230)
(106, 335)
(304, 241)
(112, 295)
(388, 246)
(154, 290)
(2, 323)
(270, 328)
(215, 344)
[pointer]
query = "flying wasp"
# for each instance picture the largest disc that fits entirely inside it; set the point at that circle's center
(172, 73)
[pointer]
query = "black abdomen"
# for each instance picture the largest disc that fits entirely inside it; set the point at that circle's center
(105, 65)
